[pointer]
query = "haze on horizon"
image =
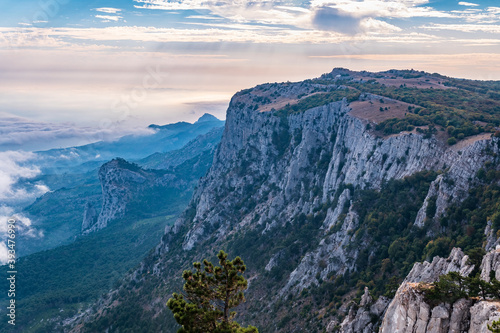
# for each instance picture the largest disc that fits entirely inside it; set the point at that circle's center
(120, 65)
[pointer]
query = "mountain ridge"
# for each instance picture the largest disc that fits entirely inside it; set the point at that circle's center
(297, 189)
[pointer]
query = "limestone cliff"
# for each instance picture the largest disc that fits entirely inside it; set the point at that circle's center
(280, 192)
(409, 312)
(279, 166)
(119, 180)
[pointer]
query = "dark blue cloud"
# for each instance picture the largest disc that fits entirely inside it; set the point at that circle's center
(332, 19)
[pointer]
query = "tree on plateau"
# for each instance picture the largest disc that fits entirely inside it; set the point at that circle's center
(209, 295)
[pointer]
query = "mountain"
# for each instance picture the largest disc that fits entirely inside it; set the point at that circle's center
(207, 117)
(410, 311)
(118, 230)
(76, 188)
(163, 138)
(207, 141)
(325, 187)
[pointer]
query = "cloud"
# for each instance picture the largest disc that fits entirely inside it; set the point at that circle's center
(108, 10)
(371, 25)
(332, 19)
(241, 11)
(108, 18)
(468, 4)
(203, 17)
(27, 134)
(23, 226)
(16, 169)
(341, 16)
(493, 10)
(489, 28)
(12, 169)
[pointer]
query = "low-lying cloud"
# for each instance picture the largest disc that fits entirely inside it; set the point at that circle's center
(15, 168)
(19, 133)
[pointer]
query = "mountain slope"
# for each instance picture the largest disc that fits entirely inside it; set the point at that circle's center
(320, 200)
(138, 205)
(75, 192)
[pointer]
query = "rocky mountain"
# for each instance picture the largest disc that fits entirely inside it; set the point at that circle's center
(161, 139)
(74, 180)
(123, 182)
(123, 220)
(120, 181)
(325, 187)
(409, 311)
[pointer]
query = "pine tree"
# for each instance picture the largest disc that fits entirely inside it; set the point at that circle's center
(209, 295)
(495, 327)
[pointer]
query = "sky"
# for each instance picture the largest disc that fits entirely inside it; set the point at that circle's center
(76, 72)
(77, 68)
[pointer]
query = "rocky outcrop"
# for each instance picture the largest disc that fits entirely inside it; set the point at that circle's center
(362, 319)
(482, 314)
(90, 215)
(490, 266)
(492, 240)
(428, 272)
(453, 185)
(333, 250)
(118, 179)
(409, 312)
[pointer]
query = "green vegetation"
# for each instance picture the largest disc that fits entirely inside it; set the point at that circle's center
(72, 275)
(59, 214)
(452, 286)
(456, 110)
(465, 222)
(319, 99)
(495, 327)
(209, 295)
(387, 229)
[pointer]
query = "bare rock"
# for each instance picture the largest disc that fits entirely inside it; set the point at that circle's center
(482, 314)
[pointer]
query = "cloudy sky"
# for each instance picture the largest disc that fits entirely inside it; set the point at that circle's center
(81, 67)
(75, 72)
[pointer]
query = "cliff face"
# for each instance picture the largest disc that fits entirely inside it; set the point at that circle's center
(123, 182)
(279, 175)
(409, 312)
(270, 168)
(119, 180)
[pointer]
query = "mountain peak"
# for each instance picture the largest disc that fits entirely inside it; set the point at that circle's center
(206, 117)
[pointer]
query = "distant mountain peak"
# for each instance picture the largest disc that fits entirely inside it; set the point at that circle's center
(206, 117)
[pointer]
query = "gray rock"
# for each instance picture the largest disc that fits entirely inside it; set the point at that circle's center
(482, 314)
(460, 316)
(362, 319)
(491, 262)
(408, 311)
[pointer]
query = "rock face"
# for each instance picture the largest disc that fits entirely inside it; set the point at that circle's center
(456, 182)
(90, 216)
(409, 312)
(274, 169)
(119, 180)
(291, 164)
(482, 314)
(362, 319)
(490, 265)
